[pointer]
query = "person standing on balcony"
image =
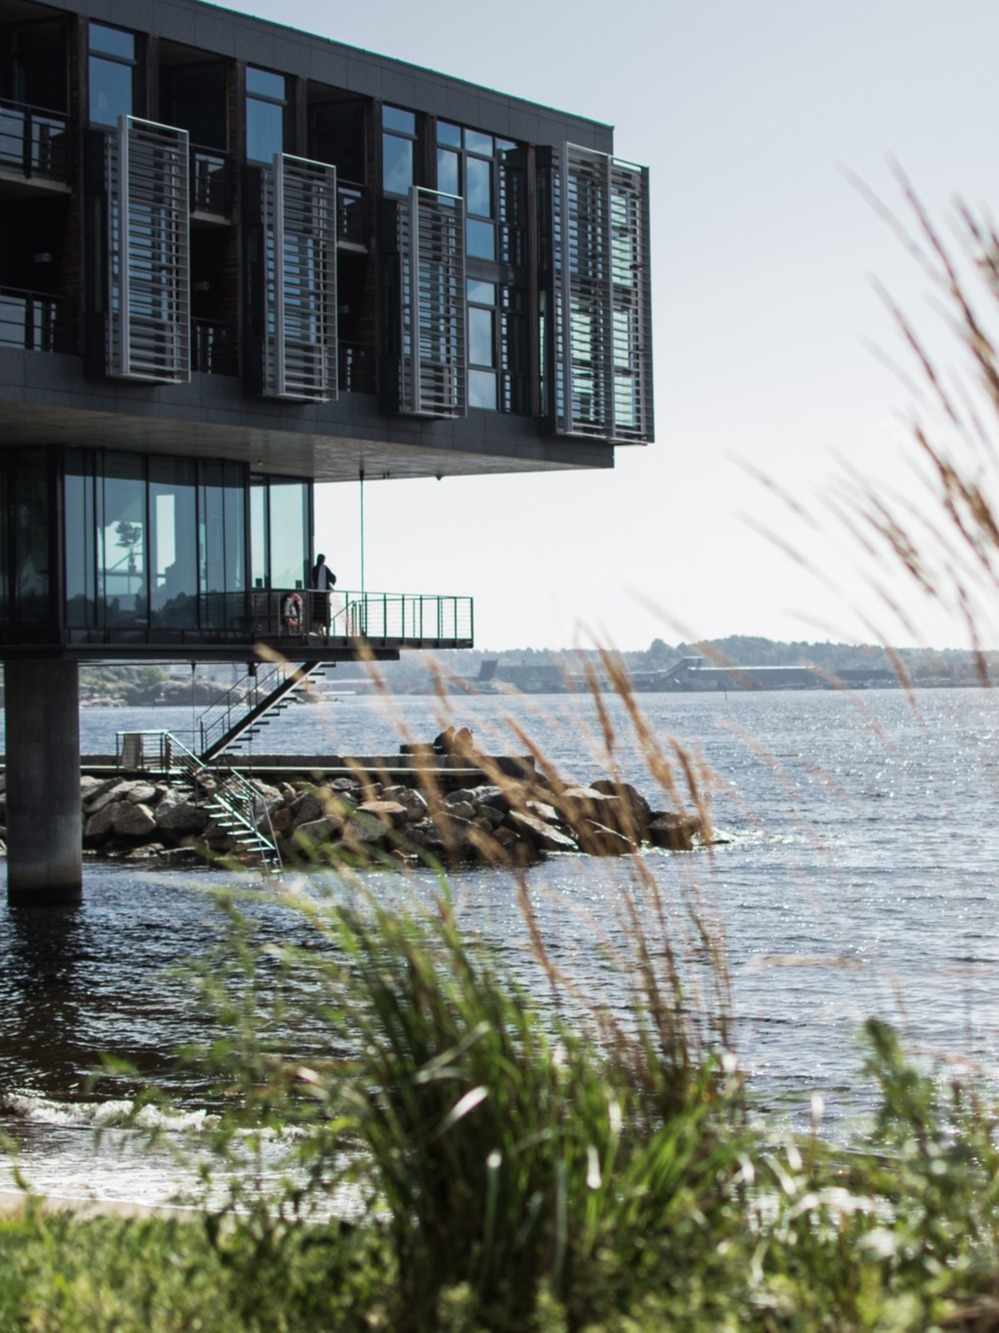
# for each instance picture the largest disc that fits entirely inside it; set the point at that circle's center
(323, 581)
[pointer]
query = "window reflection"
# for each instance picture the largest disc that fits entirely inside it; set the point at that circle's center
(173, 518)
(266, 97)
(111, 72)
(398, 150)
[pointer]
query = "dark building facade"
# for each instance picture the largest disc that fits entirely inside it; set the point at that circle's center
(237, 260)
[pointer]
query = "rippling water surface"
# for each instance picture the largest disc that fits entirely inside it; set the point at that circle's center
(859, 876)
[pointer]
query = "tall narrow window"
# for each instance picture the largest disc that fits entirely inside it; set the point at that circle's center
(112, 74)
(489, 175)
(266, 99)
(398, 150)
(173, 542)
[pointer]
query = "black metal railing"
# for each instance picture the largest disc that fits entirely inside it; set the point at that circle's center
(353, 222)
(33, 141)
(211, 181)
(355, 368)
(36, 322)
(302, 615)
(213, 348)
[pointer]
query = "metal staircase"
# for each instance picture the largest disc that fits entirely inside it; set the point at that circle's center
(224, 791)
(232, 720)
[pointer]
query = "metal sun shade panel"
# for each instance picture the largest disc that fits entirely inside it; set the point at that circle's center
(149, 299)
(300, 352)
(433, 373)
(603, 320)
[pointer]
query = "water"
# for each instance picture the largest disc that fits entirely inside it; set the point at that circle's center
(859, 877)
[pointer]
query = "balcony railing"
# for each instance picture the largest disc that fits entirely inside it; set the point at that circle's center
(356, 368)
(34, 142)
(376, 617)
(353, 222)
(213, 348)
(211, 181)
(36, 322)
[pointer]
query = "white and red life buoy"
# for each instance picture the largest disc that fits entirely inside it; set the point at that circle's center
(291, 611)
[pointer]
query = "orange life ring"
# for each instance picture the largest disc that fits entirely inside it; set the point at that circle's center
(291, 611)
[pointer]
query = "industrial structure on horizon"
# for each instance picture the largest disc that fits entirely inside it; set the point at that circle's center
(237, 260)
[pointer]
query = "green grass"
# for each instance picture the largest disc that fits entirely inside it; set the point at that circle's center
(519, 1171)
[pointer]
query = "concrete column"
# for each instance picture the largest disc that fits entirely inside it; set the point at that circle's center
(44, 832)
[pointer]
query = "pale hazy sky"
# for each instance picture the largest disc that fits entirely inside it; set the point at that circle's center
(750, 114)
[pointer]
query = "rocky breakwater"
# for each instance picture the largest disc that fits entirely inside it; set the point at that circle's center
(359, 821)
(500, 820)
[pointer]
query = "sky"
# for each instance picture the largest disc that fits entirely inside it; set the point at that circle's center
(756, 120)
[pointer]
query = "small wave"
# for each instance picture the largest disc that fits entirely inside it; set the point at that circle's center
(112, 1114)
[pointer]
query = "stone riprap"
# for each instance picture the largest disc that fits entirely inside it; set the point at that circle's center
(362, 821)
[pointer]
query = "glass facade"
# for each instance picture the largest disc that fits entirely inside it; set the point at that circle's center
(162, 544)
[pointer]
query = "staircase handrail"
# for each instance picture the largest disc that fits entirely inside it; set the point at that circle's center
(235, 794)
(226, 705)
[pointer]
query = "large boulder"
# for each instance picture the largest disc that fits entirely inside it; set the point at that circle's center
(539, 832)
(414, 801)
(641, 811)
(181, 818)
(599, 840)
(678, 832)
(133, 820)
(99, 825)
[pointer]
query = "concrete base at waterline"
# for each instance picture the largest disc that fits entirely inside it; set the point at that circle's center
(44, 828)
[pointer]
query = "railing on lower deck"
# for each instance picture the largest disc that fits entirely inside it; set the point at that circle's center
(35, 321)
(376, 617)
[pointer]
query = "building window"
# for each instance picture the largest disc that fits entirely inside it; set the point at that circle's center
(266, 99)
(482, 345)
(112, 71)
(489, 175)
(156, 543)
(398, 150)
(279, 532)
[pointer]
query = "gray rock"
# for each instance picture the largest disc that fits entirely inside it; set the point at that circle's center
(599, 840)
(114, 790)
(141, 793)
(133, 820)
(316, 833)
(100, 824)
(391, 814)
(414, 801)
(307, 808)
(542, 835)
(493, 797)
(181, 818)
(641, 811)
(678, 832)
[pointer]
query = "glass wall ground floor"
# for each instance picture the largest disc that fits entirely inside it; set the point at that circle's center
(121, 554)
(102, 543)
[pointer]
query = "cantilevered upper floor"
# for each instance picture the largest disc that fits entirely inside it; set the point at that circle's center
(225, 239)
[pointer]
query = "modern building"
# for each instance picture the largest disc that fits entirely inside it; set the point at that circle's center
(237, 260)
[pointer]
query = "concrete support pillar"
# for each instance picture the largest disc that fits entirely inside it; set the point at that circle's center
(44, 832)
